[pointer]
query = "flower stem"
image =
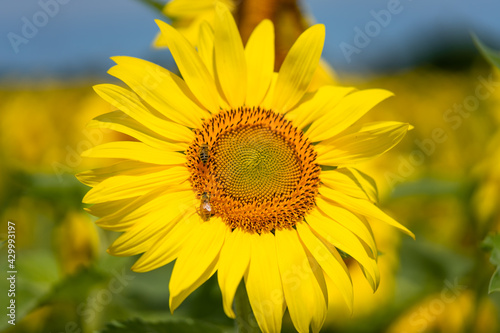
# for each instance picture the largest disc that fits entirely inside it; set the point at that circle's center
(245, 319)
(286, 15)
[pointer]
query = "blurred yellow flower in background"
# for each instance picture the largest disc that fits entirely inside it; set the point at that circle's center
(84, 245)
(487, 172)
(187, 17)
(42, 133)
(54, 133)
(450, 311)
(488, 192)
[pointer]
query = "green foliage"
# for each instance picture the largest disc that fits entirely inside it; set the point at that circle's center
(492, 243)
(427, 187)
(157, 5)
(75, 287)
(425, 266)
(177, 325)
(495, 282)
(491, 55)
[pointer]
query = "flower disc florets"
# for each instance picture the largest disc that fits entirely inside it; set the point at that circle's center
(256, 168)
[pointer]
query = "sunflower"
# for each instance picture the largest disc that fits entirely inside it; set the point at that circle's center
(239, 170)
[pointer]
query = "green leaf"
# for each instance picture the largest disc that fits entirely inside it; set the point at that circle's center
(491, 55)
(75, 287)
(492, 243)
(495, 282)
(427, 186)
(177, 325)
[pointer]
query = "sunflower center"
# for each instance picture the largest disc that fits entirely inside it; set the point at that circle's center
(253, 169)
(255, 164)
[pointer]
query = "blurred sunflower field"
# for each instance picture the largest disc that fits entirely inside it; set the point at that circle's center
(442, 181)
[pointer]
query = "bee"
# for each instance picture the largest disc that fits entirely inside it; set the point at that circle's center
(203, 153)
(205, 209)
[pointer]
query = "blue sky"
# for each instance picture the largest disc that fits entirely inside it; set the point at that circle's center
(79, 36)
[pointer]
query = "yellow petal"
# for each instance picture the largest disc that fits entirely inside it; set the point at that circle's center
(330, 261)
(346, 113)
(153, 218)
(263, 283)
(197, 261)
(121, 122)
(349, 221)
(259, 54)
(159, 41)
(267, 102)
(298, 68)
(136, 151)
(131, 214)
(161, 89)
(168, 245)
(206, 47)
(233, 263)
(206, 50)
(342, 239)
(318, 321)
(191, 67)
(130, 168)
(142, 235)
(361, 143)
(370, 278)
(304, 297)
(129, 103)
(324, 76)
(366, 182)
(363, 207)
(124, 186)
(183, 8)
(108, 208)
(314, 105)
(230, 57)
(345, 181)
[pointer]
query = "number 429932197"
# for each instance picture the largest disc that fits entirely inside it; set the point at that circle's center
(11, 239)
